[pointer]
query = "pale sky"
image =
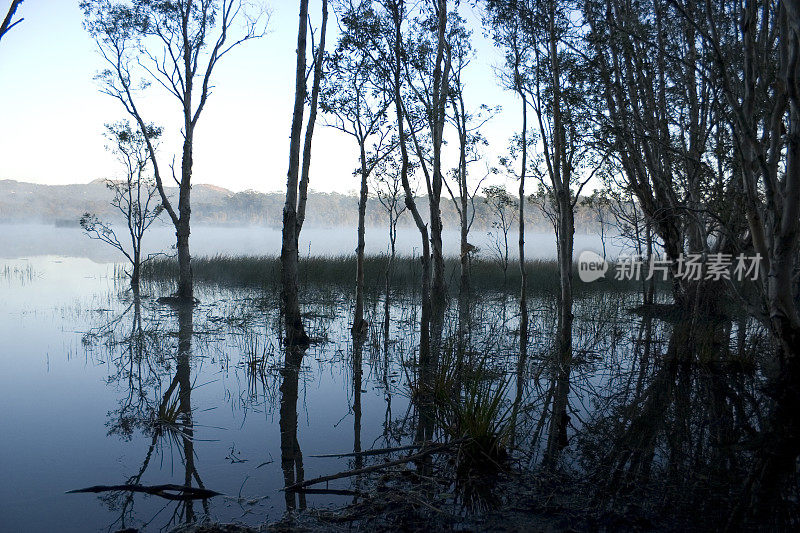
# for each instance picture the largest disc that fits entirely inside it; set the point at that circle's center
(52, 114)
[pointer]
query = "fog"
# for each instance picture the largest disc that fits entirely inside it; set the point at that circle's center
(24, 240)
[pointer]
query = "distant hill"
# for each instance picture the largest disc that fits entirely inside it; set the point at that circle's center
(64, 204)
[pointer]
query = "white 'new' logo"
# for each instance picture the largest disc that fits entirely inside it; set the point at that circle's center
(591, 266)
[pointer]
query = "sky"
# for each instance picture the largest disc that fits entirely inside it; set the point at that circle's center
(52, 114)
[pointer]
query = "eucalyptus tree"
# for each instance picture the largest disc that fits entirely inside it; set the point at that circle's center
(135, 196)
(8, 22)
(176, 45)
(542, 60)
(426, 65)
(396, 15)
(467, 124)
(755, 48)
(505, 20)
(294, 208)
(355, 95)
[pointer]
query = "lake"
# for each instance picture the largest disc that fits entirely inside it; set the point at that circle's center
(101, 388)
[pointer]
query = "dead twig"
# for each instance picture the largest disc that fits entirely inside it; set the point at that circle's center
(365, 470)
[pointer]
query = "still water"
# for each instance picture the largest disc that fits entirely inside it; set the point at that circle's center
(99, 388)
(78, 405)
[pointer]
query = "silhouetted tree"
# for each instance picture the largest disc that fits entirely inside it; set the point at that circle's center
(135, 196)
(501, 208)
(294, 208)
(175, 44)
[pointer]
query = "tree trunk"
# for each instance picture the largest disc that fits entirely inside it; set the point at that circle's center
(439, 287)
(135, 273)
(396, 8)
(359, 324)
(185, 282)
(523, 284)
(294, 330)
(563, 367)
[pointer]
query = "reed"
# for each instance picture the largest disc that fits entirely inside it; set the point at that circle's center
(264, 271)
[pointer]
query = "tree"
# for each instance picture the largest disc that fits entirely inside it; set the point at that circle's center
(389, 190)
(501, 206)
(542, 61)
(7, 24)
(394, 65)
(356, 97)
(426, 64)
(297, 178)
(175, 44)
(467, 125)
(506, 20)
(135, 196)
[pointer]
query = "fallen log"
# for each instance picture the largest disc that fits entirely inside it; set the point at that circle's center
(168, 491)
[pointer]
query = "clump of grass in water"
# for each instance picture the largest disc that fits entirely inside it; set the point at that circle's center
(471, 407)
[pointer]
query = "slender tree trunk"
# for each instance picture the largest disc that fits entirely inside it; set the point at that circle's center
(439, 287)
(295, 332)
(561, 177)
(185, 281)
(523, 284)
(359, 324)
(397, 11)
(558, 423)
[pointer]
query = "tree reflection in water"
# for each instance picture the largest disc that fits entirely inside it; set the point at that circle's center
(651, 420)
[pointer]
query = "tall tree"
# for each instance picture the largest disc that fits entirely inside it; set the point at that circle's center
(356, 97)
(397, 17)
(426, 66)
(506, 20)
(547, 67)
(297, 178)
(467, 124)
(175, 44)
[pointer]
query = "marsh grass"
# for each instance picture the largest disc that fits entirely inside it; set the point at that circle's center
(486, 274)
(472, 406)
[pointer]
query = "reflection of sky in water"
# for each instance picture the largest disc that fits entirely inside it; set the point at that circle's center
(56, 404)
(57, 397)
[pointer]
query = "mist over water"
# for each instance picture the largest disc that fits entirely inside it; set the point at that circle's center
(25, 240)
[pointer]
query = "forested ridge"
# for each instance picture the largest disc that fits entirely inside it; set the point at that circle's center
(64, 205)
